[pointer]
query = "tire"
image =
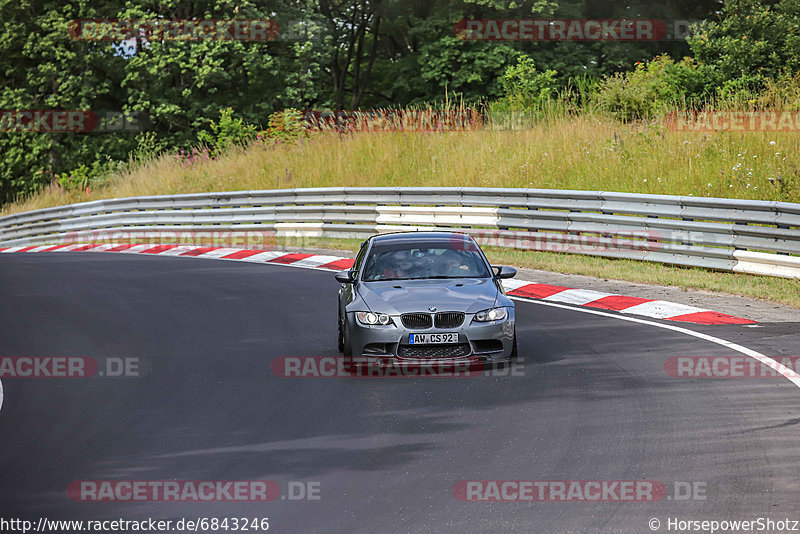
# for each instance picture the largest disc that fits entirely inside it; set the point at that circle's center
(347, 350)
(512, 358)
(339, 332)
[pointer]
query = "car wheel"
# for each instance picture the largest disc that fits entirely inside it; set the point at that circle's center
(347, 350)
(513, 356)
(339, 332)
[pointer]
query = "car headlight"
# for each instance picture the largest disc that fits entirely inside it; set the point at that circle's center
(495, 314)
(372, 318)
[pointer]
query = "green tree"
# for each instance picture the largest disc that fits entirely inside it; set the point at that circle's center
(41, 67)
(751, 42)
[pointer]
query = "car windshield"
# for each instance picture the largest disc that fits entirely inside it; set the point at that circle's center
(413, 261)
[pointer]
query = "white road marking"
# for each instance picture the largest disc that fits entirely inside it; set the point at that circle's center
(577, 296)
(68, 247)
(177, 250)
(787, 373)
(511, 285)
(98, 248)
(217, 254)
(264, 257)
(316, 260)
(661, 309)
(137, 248)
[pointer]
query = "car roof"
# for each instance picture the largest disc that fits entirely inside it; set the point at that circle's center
(418, 236)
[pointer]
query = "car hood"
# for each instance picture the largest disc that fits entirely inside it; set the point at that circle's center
(468, 295)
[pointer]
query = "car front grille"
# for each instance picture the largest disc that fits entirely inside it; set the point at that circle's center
(416, 320)
(449, 319)
(424, 320)
(434, 351)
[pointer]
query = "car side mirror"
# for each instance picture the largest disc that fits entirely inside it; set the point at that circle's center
(345, 277)
(505, 272)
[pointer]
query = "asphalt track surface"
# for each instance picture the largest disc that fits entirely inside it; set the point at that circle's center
(593, 403)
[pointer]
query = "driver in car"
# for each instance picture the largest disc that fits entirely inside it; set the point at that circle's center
(394, 266)
(451, 263)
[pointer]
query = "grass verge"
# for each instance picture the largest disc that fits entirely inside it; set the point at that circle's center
(587, 152)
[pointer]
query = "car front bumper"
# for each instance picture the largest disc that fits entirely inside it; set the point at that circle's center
(479, 342)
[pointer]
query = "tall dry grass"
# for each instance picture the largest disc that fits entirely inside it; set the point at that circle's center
(584, 152)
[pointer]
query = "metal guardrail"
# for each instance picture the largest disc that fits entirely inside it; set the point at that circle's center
(750, 236)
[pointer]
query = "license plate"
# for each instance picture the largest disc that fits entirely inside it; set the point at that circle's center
(433, 339)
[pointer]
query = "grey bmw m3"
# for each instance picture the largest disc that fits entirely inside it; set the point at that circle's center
(416, 298)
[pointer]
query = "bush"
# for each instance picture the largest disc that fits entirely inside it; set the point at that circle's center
(782, 92)
(148, 146)
(76, 179)
(83, 176)
(740, 93)
(526, 88)
(653, 87)
(582, 91)
(529, 95)
(751, 41)
(227, 132)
